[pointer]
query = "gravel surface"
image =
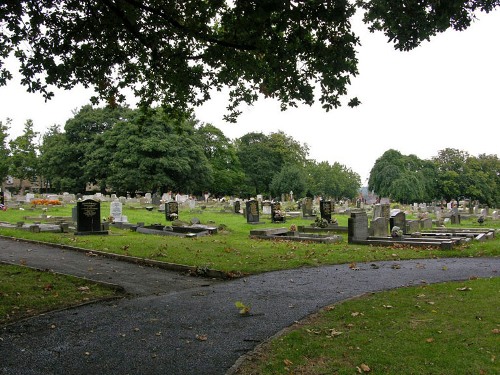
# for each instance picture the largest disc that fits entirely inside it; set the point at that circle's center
(192, 326)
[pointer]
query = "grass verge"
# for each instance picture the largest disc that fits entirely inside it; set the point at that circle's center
(449, 328)
(26, 292)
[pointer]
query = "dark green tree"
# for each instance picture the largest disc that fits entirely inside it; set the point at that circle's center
(263, 156)
(175, 52)
(290, 178)
(24, 158)
(451, 166)
(153, 152)
(228, 176)
(4, 150)
(332, 181)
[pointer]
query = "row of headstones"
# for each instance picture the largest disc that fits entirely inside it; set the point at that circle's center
(381, 226)
(277, 215)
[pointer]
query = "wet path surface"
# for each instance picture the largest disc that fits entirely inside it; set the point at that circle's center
(197, 329)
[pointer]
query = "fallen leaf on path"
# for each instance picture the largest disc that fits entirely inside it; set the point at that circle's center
(201, 337)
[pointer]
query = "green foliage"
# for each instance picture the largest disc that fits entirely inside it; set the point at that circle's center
(4, 150)
(408, 23)
(24, 159)
(263, 156)
(228, 175)
(175, 53)
(332, 181)
(290, 178)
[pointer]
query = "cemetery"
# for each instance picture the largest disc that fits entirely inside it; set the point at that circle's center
(238, 221)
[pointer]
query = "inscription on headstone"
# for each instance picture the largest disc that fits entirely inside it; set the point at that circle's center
(252, 211)
(326, 209)
(88, 213)
(171, 211)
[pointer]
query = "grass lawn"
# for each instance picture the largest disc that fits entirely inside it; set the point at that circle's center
(25, 292)
(231, 250)
(449, 328)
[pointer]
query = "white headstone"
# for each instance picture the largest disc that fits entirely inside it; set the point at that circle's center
(116, 210)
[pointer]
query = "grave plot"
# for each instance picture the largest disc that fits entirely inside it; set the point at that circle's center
(195, 230)
(285, 234)
(377, 234)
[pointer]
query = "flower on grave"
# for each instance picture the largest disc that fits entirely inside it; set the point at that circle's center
(3, 207)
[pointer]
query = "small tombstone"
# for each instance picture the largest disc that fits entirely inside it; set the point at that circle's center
(172, 211)
(266, 208)
(88, 213)
(2, 197)
(277, 216)
(386, 210)
(252, 211)
(398, 219)
(377, 211)
(156, 199)
(357, 227)
(116, 211)
(494, 215)
(307, 207)
(412, 226)
(426, 223)
(326, 209)
(379, 227)
(237, 207)
(29, 197)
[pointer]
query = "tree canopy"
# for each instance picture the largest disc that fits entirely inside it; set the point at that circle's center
(175, 52)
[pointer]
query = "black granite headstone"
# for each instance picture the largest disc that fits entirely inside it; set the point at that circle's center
(252, 211)
(88, 214)
(326, 209)
(237, 207)
(277, 216)
(171, 211)
(2, 197)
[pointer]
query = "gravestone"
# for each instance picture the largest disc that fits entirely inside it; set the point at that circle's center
(426, 223)
(29, 197)
(88, 215)
(116, 211)
(237, 207)
(252, 211)
(156, 199)
(307, 207)
(412, 226)
(357, 227)
(266, 208)
(326, 209)
(172, 211)
(379, 227)
(377, 211)
(2, 197)
(398, 219)
(494, 215)
(277, 216)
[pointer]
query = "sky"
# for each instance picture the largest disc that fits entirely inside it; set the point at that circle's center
(444, 94)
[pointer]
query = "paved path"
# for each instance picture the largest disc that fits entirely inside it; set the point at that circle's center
(196, 330)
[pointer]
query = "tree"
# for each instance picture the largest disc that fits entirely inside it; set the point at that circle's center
(175, 52)
(228, 176)
(154, 152)
(290, 178)
(332, 181)
(23, 162)
(451, 166)
(263, 156)
(4, 150)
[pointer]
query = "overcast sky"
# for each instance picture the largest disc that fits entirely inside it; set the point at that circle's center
(444, 94)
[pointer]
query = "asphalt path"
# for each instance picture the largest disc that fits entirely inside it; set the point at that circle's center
(194, 328)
